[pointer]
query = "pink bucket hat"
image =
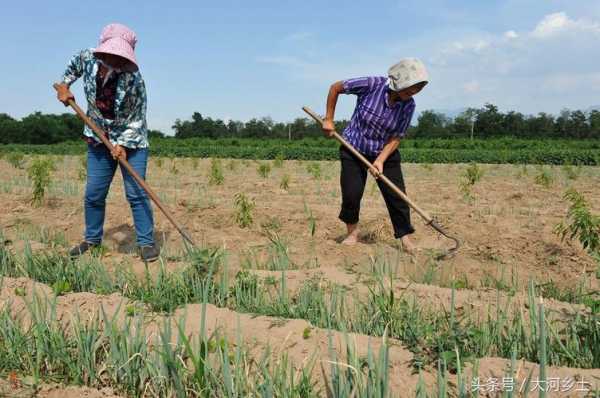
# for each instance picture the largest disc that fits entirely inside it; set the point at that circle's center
(118, 40)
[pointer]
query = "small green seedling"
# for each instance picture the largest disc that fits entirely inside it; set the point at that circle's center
(580, 224)
(61, 287)
(243, 210)
(272, 224)
(270, 280)
(264, 169)
(20, 291)
(16, 159)
(306, 333)
(174, 169)
(312, 221)
(544, 178)
(571, 172)
(314, 169)
(278, 162)
(212, 346)
(216, 172)
(39, 173)
(285, 182)
(470, 177)
(130, 310)
(472, 174)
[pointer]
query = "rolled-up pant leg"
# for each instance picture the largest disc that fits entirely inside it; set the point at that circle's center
(398, 209)
(353, 178)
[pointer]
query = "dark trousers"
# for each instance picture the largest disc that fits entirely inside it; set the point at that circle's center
(353, 179)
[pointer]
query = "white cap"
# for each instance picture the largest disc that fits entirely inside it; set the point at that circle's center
(406, 73)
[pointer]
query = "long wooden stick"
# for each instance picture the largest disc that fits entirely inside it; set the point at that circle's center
(428, 219)
(102, 136)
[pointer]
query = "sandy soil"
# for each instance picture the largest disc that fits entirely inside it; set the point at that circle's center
(17, 388)
(261, 333)
(506, 232)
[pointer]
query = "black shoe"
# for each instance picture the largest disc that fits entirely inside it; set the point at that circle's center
(82, 248)
(149, 253)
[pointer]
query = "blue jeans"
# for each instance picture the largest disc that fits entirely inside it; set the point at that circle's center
(101, 169)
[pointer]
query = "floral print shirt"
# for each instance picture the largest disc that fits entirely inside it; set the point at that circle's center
(128, 128)
(106, 92)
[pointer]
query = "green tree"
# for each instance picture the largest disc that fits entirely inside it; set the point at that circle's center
(489, 121)
(432, 124)
(256, 128)
(561, 125)
(155, 134)
(464, 123)
(577, 125)
(234, 128)
(541, 125)
(594, 123)
(513, 123)
(41, 129)
(10, 130)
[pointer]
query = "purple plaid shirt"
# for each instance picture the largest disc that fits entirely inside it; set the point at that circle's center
(374, 122)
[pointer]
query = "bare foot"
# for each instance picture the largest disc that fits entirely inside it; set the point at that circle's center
(407, 245)
(352, 237)
(350, 240)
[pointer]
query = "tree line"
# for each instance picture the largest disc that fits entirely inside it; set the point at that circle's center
(489, 122)
(485, 122)
(41, 128)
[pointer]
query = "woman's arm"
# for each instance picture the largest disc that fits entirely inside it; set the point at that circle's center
(74, 69)
(390, 146)
(334, 91)
(73, 72)
(392, 143)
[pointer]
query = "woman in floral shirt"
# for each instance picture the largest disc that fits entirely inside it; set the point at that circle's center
(116, 98)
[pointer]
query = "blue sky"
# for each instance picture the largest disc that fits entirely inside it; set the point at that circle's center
(242, 59)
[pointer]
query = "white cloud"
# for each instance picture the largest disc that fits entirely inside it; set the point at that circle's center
(475, 45)
(515, 69)
(559, 22)
(521, 69)
(551, 24)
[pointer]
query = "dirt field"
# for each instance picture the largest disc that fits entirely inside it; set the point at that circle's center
(505, 227)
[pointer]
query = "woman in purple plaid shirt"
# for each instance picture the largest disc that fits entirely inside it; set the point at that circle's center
(384, 109)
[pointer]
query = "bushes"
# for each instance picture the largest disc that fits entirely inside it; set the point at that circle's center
(216, 172)
(243, 210)
(39, 173)
(16, 159)
(501, 150)
(580, 223)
